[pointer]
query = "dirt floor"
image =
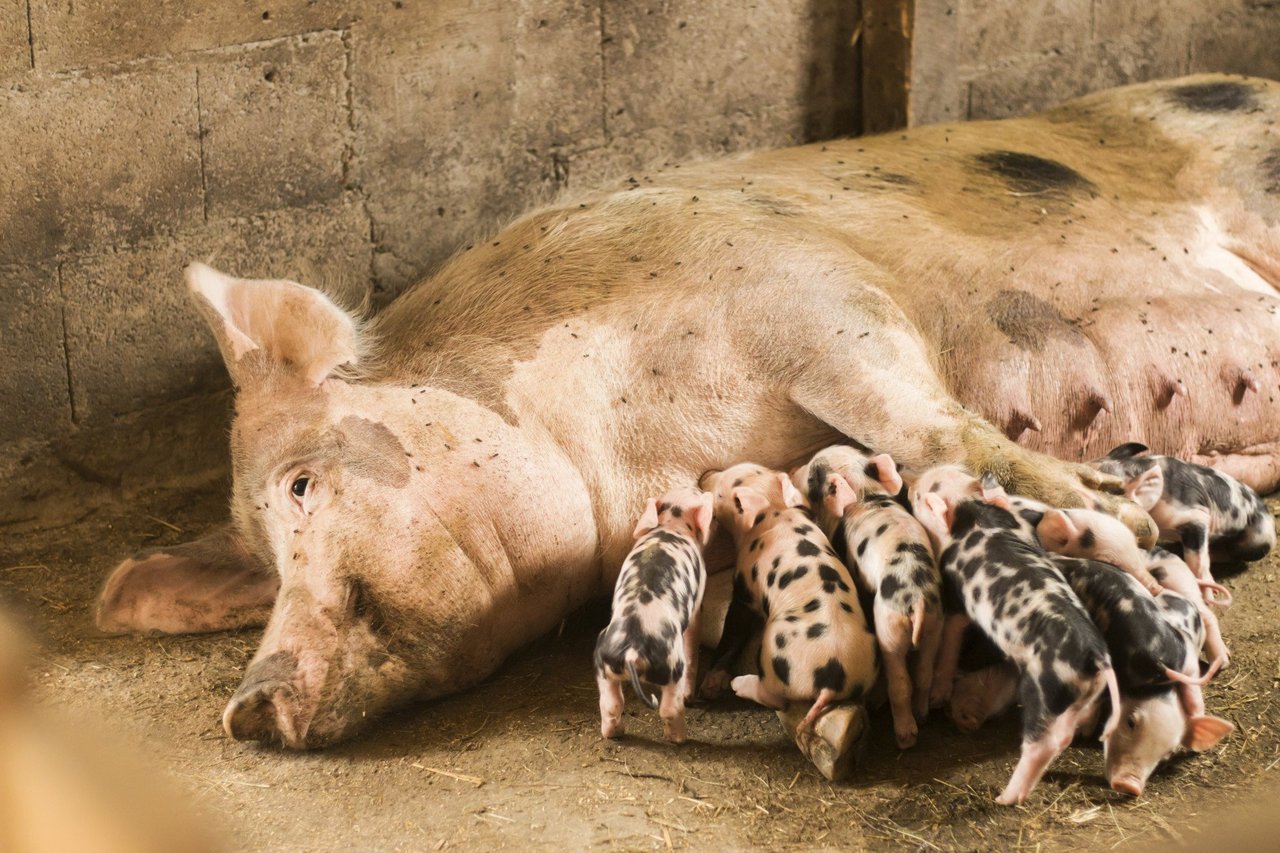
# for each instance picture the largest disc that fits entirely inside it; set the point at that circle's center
(519, 762)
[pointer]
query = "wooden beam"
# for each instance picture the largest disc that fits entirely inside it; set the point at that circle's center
(887, 27)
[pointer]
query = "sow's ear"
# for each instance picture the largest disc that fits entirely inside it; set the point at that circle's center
(648, 520)
(293, 326)
(1205, 732)
(1147, 488)
(211, 584)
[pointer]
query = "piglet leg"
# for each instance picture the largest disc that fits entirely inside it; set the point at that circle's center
(893, 630)
(1194, 536)
(753, 688)
(611, 704)
(1036, 757)
(689, 679)
(926, 662)
(948, 659)
(1213, 642)
(671, 709)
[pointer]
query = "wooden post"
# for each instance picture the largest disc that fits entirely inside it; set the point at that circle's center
(887, 27)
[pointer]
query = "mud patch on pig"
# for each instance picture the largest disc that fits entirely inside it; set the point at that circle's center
(1028, 321)
(1220, 97)
(1029, 174)
(372, 451)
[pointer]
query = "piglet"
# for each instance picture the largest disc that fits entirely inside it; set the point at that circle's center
(852, 493)
(1095, 535)
(1155, 646)
(653, 635)
(1174, 574)
(815, 646)
(1209, 512)
(1008, 586)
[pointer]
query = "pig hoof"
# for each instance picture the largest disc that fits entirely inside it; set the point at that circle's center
(906, 738)
(967, 722)
(675, 731)
(612, 729)
(838, 740)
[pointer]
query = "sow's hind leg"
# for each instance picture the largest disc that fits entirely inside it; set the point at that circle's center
(873, 381)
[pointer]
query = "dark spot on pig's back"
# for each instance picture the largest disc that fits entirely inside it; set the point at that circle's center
(371, 450)
(1029, 174)
(1028, 321)
(1221, 97)
(1271, 173)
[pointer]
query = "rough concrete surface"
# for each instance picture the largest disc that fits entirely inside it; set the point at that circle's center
(519, 762)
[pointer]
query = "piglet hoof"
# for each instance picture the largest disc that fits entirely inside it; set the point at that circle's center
(967, 720)
(906, 735)
(1011, 797)
(837, 742)
(613, 729)
(714, 685)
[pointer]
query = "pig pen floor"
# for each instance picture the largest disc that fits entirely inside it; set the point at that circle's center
(519, 762)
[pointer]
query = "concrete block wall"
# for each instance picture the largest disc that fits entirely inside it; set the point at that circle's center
(352, 143)
(975, 59)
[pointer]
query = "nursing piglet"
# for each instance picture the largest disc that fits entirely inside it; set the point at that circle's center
(1209, 512)
(851, 494)
(653, 636)
(815, 646)
(1155, 648)
(1008, 587)
(1174, 574)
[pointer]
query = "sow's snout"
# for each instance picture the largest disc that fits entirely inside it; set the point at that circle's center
(265, 706)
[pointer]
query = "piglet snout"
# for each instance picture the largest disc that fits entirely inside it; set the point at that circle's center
(1130, 785)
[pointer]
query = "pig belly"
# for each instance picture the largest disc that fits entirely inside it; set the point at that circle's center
(1192, 376)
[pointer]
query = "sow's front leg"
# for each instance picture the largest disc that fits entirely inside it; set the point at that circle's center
(879, 387)
(209, 584)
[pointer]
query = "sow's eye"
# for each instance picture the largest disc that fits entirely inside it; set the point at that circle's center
(299, 486)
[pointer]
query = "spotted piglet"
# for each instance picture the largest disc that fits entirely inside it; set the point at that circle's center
(1007, 585)
(1155, 646)
(653, 636)
(815, 646)
(1208, 511)
(852, 495)
(1094, 536)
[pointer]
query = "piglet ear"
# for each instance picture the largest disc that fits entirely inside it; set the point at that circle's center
(931, 511)
(700, 517)
(1147, 488)
(747, 504)
(790, 494)
(994, 493)
(837, 495)
(293, 327)
(1056, 529)
(1205, 732)
(648, 520)
(886, 472)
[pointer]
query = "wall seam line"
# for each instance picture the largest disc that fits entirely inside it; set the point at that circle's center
(66, 346)
(31, 38)
(204, 180)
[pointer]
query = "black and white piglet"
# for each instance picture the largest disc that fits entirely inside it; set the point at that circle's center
(815, 645)
(852, 495)
(996, 575)
(1155, 648)
(653, 636)
(1209, 512)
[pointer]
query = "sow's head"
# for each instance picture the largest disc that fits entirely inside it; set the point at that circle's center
(377, 507)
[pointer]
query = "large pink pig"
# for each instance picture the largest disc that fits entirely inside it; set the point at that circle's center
(418, 496)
